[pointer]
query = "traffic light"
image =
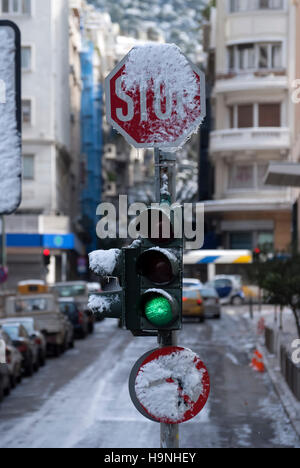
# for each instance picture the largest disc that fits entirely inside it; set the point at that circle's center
(148, 297)
(152, 275)
(256, 255)
(46, 257)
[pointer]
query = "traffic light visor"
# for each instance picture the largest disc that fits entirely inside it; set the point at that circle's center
(158, 266)
(156, 226)
(159, 309)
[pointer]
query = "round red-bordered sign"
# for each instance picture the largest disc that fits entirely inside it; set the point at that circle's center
(172, 376)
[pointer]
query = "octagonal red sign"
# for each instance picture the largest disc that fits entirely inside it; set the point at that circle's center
(155, 97)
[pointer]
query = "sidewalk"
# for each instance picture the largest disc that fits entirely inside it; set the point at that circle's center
(272, 364)
(289, 402)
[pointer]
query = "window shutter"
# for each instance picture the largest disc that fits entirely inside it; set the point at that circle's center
(269, 115)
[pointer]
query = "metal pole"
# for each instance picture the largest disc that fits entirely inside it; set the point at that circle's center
(3, 243)
(166, 164)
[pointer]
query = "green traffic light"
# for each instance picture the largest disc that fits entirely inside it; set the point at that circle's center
(159, 311)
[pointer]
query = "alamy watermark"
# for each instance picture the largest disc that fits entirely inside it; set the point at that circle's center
(159, 221)
(2, 352)
(296, 353)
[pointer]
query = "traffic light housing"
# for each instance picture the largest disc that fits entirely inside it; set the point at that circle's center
(149, 298)
(152, 275)
(46, 257)
(257, 255)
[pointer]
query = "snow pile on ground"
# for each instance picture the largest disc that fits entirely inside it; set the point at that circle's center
(169, 386)
(10, 144)
(104, 262)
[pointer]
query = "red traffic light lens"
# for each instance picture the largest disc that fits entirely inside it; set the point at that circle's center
(46, 253)
(156, 267)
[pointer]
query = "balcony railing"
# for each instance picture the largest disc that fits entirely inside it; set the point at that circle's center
(258, 73)
(249, 139)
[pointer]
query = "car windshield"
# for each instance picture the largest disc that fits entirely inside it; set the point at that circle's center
(12, 331)
(68, 309)
(208, 292)
(30, 305)
(190, 294)
(189, 284)
(71, 290)
(28, 327)
(223, 283)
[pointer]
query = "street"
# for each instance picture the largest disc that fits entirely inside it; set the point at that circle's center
(81, 400)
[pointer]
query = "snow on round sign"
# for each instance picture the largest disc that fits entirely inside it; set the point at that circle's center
(169, 385)
(155, 97)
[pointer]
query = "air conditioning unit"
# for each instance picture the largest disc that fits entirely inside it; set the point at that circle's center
(111, 189)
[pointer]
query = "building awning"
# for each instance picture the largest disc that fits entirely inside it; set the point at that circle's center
(285, 174)
(245, 204)
(224, 257)
(50, 241)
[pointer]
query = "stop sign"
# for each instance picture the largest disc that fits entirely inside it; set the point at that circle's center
(155, 97)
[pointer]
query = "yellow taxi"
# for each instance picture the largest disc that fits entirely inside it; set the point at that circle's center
(193, 305)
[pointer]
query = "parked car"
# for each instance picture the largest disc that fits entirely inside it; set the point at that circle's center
(79, 291)
(193, 305)
(5, 384)
(192, 283)
(78, 319)
(94, 288)
(229, 288)
(70, 335)
(35, 335)
(48, 319)
(21, 340)
(13, 360)
(212, 305)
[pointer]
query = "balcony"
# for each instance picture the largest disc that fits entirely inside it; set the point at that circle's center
(251, 80)
(250, 139)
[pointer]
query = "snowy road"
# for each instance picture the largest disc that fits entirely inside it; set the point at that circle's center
(82, 400)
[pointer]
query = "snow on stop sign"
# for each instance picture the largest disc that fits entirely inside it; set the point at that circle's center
(169, 385)
(155, 97)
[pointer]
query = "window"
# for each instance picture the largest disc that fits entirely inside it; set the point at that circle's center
(16, 7)
(256, 56)
(241, 240)
(254, 115)
(261, 175)
(247, 5)
(241, 176)
(246, 56)
(28, 167)
(26, 111)
(250, 240)
(26, 58)
(269, 56)
(265, 241)
(245, 116)
(269, 115)
(248, 176)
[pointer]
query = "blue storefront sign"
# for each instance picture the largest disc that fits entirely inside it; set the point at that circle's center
(51, 241)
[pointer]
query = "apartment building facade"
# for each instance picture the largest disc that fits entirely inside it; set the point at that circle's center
(45, 218)
(255, 52)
